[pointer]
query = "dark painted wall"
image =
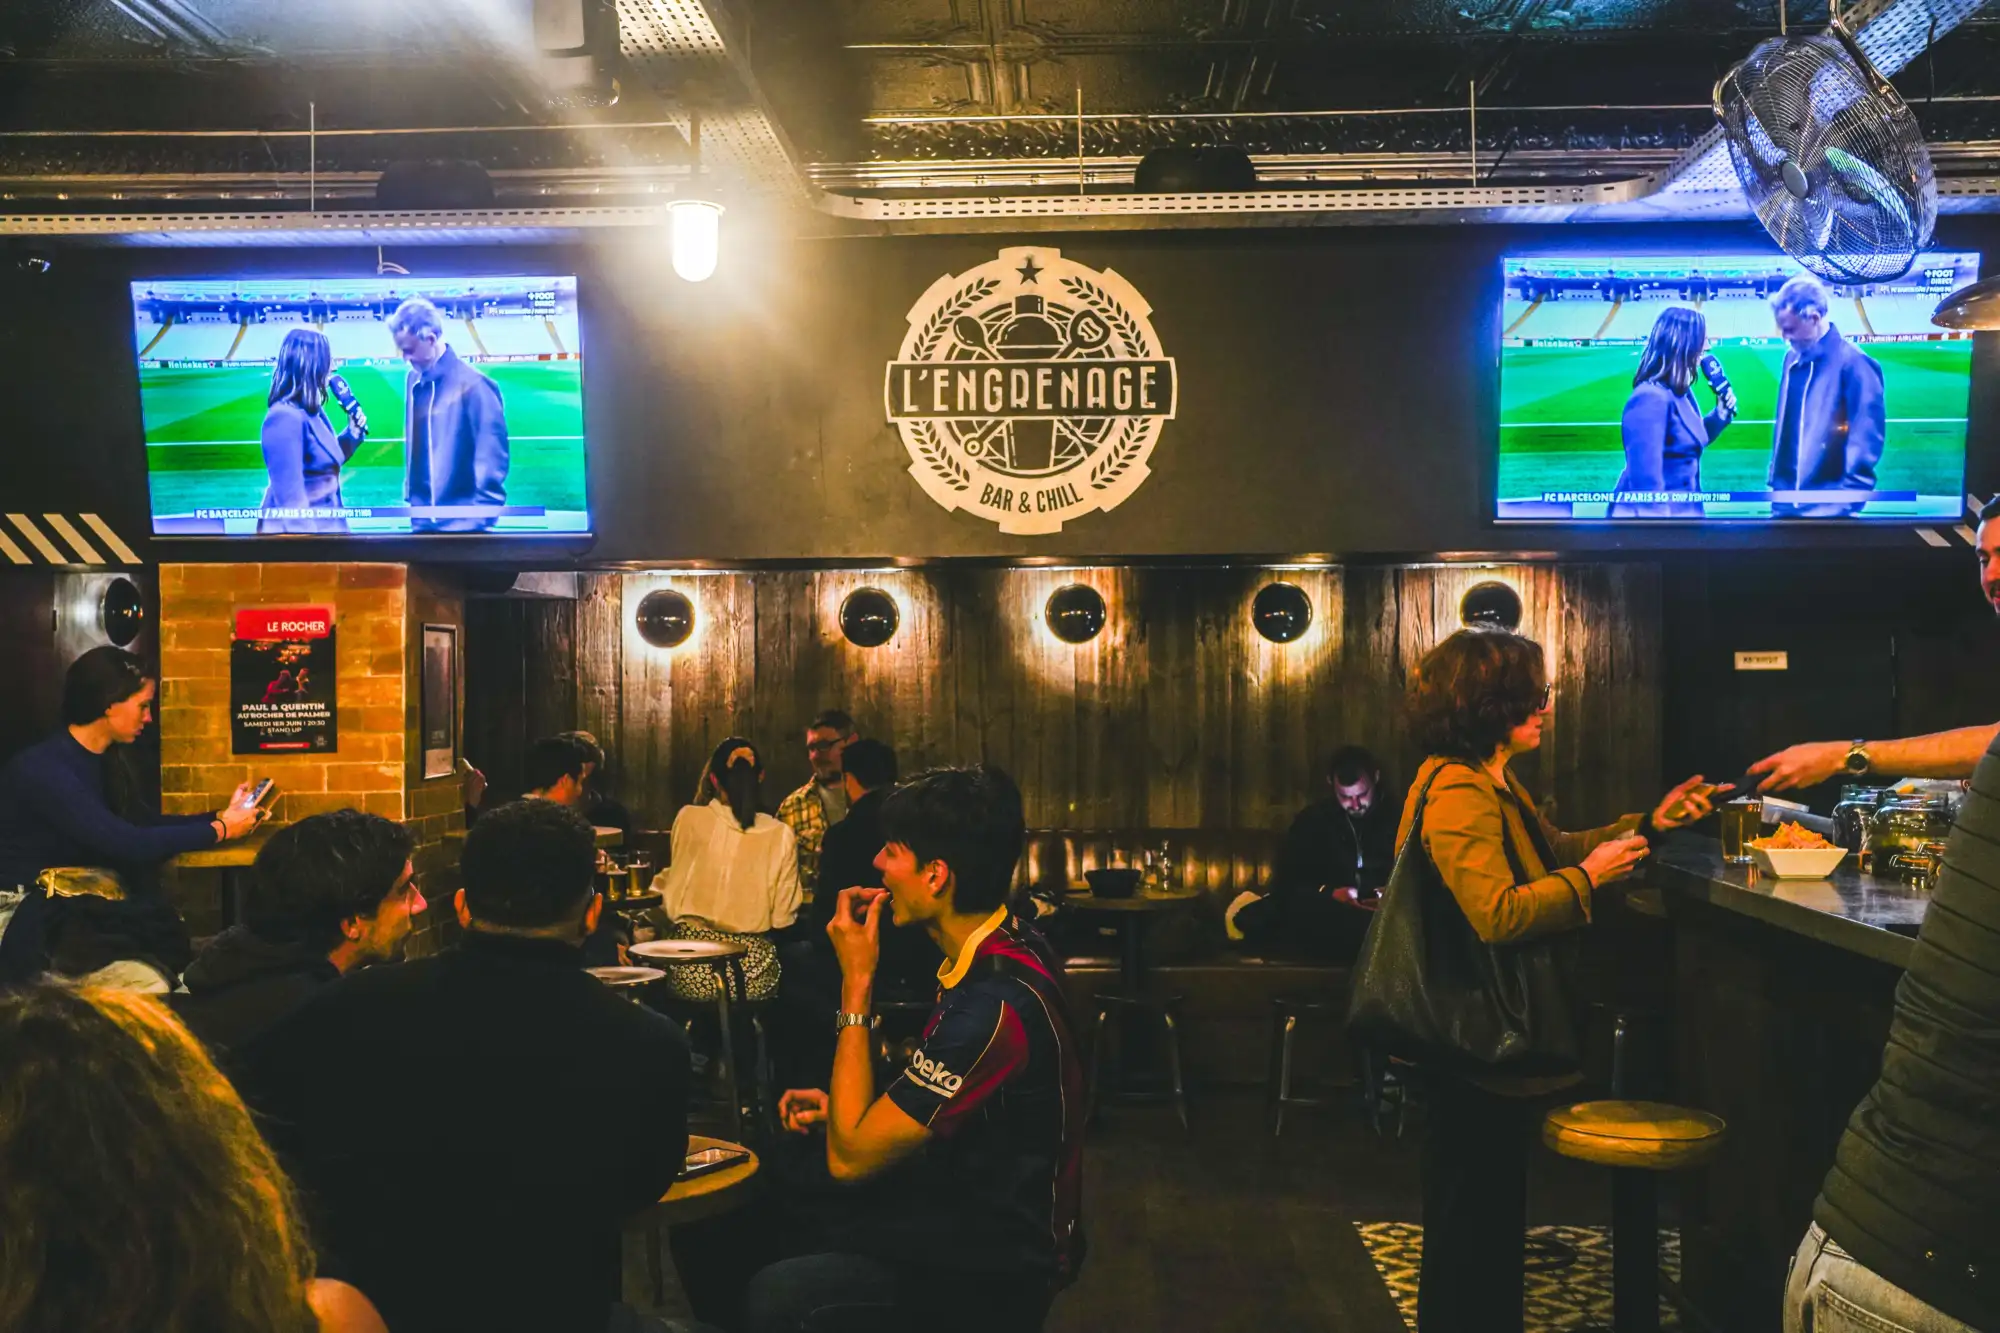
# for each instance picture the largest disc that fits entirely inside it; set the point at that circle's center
(1337, 395)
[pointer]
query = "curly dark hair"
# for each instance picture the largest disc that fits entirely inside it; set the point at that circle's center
(1472, 690)
(139, 1195)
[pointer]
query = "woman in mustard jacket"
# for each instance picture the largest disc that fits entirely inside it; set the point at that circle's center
(1476, 701)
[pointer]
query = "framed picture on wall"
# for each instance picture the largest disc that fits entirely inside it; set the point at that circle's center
(440, 700)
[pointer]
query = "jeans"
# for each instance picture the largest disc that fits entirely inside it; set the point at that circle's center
(847, 1293)
(1473, 1273)
(1828, 1292)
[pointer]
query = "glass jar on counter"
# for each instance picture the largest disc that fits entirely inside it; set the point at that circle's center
(1901, 832)
(1852, 814)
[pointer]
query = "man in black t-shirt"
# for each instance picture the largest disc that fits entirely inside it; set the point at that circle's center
(974, 1152)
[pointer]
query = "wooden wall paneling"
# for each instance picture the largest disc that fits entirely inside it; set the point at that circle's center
(1177, 715)
(646, 704)
(551, 657)
(714, 681)
(1171, 701)
(496, 671)
(1290, 705)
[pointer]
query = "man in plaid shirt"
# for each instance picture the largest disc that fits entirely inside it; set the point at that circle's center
(823, 799)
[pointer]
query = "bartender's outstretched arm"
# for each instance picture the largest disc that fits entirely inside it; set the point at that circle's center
(1942, 754)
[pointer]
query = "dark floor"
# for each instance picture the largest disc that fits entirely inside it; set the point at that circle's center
(1221, 1227)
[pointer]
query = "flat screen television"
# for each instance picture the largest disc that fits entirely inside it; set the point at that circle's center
(255, 393)
(1610, 410)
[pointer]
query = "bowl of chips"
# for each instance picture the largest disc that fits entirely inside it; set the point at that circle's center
(1794, 851)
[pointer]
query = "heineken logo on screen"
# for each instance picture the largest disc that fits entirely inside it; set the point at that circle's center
(1030, 390)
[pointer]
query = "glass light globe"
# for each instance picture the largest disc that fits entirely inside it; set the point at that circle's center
(697, 237)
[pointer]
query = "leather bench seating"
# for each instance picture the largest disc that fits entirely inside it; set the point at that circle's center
(1226, 1032)
(1221, 863)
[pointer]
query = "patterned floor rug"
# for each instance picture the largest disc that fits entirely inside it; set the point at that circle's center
(1569, 1273)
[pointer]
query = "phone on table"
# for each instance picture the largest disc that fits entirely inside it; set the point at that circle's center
(705, 1160)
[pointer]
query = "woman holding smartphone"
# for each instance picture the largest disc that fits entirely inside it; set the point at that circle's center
(302, 455)
(54, 810)
(1664, 431)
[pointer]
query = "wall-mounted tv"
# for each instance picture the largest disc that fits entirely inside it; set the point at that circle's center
(1707, 387)
(362, 407)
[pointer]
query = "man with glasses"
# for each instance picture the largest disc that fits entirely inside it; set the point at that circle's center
(329, 894)
(822, 801)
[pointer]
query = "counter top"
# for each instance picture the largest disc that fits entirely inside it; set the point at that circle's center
(1862, 914)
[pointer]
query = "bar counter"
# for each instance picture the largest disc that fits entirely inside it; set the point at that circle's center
(1780, 1004)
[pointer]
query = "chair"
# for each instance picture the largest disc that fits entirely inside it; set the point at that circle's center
(1285, 1015)
(1637, 1140)
(1129, 1007)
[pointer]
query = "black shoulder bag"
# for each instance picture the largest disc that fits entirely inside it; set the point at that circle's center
(1426, 988)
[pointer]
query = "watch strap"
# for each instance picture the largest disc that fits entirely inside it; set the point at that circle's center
(844, 1020)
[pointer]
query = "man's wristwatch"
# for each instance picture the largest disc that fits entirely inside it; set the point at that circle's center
(1857, 758)
(846, 1020)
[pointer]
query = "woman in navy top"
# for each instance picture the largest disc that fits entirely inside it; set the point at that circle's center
(53, 810)
(301, 453)
(1664, 431)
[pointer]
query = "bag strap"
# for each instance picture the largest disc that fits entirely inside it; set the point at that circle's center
(1528, 817)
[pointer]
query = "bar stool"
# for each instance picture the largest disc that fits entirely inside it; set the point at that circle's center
(1129, 1007)
(1638, 1141)
(1286, 1011)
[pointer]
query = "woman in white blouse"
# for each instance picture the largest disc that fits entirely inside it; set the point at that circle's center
(735, 869)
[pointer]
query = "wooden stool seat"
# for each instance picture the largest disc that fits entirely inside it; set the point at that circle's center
(1642, 1136)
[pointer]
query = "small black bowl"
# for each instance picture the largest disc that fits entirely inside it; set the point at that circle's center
(1110, 883)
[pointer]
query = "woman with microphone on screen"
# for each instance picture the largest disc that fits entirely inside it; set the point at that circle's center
(301, 453)
(1664, 431)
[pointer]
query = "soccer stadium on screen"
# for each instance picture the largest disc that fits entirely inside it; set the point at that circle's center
(1719, 387)
(363, 406)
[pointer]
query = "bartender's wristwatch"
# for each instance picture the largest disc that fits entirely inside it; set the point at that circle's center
(846, 1020)
(1857, 758)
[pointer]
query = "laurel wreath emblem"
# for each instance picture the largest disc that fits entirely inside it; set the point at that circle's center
(1131, 435)
(935, 451)
(944, 451)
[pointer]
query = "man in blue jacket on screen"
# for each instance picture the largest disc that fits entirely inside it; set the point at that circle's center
(1831, 415)
(455, 431)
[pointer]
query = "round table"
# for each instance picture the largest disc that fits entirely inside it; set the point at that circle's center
(607, 836)
(693, 1200)
(636, 902)
(232, 858)
(725, 959)
(1126, 912)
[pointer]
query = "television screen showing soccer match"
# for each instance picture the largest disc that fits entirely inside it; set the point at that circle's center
(1729, 387)
(362, 407)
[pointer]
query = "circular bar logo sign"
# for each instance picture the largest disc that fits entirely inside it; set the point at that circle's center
(1030, 390)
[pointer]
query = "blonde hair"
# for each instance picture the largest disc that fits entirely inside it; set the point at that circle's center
(137, 1191)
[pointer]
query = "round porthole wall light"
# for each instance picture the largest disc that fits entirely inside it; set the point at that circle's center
(122, 612)
(1490, 605)
(1075, 613)
(665, 618)
(868, 617)
(1281, 612)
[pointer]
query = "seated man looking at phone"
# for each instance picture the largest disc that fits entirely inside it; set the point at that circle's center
(329, 894)
(974, 1152)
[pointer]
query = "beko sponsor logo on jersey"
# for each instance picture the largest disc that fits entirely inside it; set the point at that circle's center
(928, 1073)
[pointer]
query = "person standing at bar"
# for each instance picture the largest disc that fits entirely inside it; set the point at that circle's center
(822, 801)
(54, 810)
(1478, 701)
(1906, 1230)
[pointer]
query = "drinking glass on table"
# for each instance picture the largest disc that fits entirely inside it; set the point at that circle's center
(640, 867)
(1739, 823)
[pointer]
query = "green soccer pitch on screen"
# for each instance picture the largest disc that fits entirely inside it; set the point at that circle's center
(362, 407)
(1707, 388)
